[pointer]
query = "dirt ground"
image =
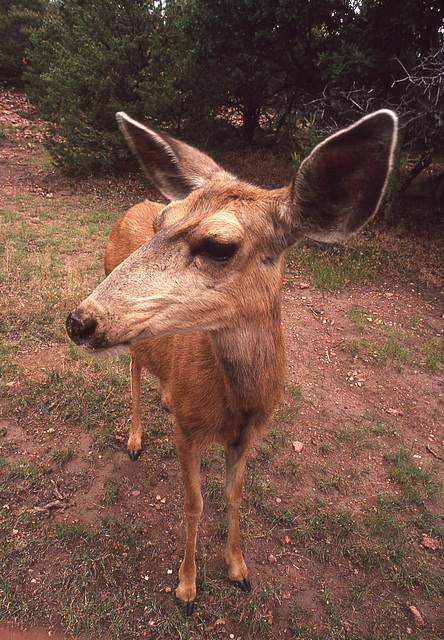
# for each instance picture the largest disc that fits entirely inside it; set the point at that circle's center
(336, 391)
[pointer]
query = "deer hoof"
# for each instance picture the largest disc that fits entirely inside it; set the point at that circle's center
(186, 607)
(244, 585)
(134, 453)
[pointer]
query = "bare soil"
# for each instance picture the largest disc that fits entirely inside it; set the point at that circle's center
(340, 391)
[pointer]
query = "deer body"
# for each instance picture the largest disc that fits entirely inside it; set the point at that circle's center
(193, 292)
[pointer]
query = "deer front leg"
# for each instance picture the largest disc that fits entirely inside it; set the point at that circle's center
(135, 436)
(235, 458)
(189, 460)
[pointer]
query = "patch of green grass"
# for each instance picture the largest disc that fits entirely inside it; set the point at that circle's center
(36, 288)
(213, 490)
(25, 475)
(357, 437)
(276, 436)
(90, 390)
(10, 603)
(164, 616)
(258, 487)
(111, 486)
(331, 268)
(255, 614)
(295, 390)
(74, 531)
(61, 456)
(417, 483)
(383, 428)
(384, 526)
(299, 623)
(394, 346)
(166, 449)
(333, 481)
(430, 523)
(264, 455)
(291, 468)
(380, 342)
(317, 522)
(434, 353)
(357, 315)
(85, 608)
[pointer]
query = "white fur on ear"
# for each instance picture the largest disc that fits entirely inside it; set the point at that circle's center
(339, 186)
(173, 166)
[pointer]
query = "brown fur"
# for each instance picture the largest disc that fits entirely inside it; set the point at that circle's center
(206, 323)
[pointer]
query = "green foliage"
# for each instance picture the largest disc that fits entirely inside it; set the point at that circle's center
(17, 20)
(88, 64)
(260, 58)
(215, 70)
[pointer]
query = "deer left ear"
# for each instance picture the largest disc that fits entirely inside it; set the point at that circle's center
(174, 167)
(339, 187)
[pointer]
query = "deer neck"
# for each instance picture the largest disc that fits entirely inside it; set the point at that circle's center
(249, 356)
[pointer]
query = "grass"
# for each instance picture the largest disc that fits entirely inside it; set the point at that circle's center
(62, 456)
(382, 341)
(417, 483)
(332, 267)
(32, 255)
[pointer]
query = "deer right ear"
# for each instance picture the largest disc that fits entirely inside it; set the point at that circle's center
(174, 167)
(339, 187)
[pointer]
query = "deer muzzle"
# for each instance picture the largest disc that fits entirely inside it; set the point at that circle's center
(80, 330)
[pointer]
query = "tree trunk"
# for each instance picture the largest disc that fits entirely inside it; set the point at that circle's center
(250, 121)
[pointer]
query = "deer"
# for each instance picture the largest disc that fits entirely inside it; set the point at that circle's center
(193, 292)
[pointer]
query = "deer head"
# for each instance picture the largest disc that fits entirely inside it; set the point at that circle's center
(215, 261)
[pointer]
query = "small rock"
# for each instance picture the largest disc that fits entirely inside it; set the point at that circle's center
(304, 285)
(417, 617)
(298, 446)
(272, 559)
(135, 493)
(430, 543)
(394, 412)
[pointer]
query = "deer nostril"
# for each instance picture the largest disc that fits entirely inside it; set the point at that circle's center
(80, 330)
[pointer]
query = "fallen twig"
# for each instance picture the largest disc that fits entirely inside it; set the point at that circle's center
(436, 455)
(56, 504)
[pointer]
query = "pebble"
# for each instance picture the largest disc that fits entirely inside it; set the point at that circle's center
(417, 617)
(298, 446)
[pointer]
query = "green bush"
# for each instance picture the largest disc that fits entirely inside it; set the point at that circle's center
(93, 58)
(17, 20)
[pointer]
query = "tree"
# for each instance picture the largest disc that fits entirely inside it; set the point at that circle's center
(376, 37)
(92, 58)
(17, 20)
(261, 56)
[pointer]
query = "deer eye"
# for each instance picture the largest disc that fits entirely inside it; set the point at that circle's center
(217, 250)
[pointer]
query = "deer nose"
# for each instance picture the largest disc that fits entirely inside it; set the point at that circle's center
(80, 330)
